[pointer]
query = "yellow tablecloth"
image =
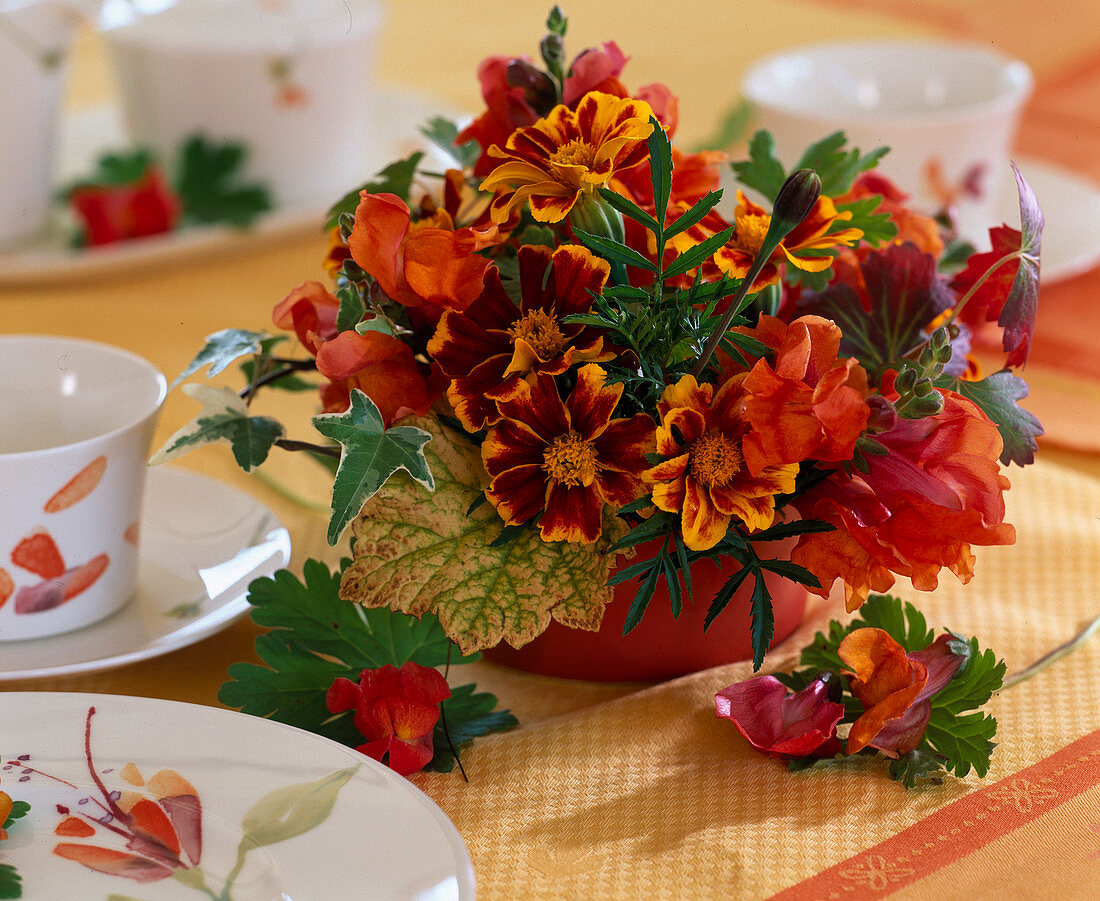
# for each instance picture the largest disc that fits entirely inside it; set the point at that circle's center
(639, 791)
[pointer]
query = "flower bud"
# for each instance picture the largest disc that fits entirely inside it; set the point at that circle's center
(538, 89)
(883, 415)
(905, 382)
(795, 199)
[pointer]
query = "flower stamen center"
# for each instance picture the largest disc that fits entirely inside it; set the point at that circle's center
(575, 153)
(541, 331)
(715, 459)
(750, 232)
(570, 460)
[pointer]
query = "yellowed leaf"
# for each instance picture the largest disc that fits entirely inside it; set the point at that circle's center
(419, 552)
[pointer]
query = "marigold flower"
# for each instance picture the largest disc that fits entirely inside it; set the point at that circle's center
(895, 688)
(782, 724)
(424, 263)
(396, 711)
(553, 163)
(704, 477)
(920, 507)
(490, 348)
(751, 223)
(568, 460)
(808, 404)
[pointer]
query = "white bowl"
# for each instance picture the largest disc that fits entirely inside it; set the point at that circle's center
(75, 426)
(948, 105)
(287, 78)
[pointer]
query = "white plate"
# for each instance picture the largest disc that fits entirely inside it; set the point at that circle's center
(313, 818)
(87, 134)
(1071, 210)
(202, 542)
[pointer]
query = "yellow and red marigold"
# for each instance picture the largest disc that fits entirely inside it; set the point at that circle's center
(550, 165)
(704, 477)
(566, 461)
(490, 348)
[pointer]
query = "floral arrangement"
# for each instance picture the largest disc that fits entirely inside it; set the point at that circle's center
(11, 883)
(572, 361)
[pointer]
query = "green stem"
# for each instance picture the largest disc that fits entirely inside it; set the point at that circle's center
(283, 491)
(716, 336)
(1057, 654)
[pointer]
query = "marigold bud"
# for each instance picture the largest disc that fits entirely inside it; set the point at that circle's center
(795, 199)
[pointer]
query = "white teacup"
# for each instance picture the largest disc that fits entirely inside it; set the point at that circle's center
(948, 111)
(76, 420)
(34, 39)
(286, 78)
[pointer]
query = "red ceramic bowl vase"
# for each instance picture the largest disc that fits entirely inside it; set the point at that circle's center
(661, 647)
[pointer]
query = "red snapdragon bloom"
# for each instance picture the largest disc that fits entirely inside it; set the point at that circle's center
(309, 311)
(895, 688)
(781, 724)
(396, 711)
(111, 213)
(920, 507)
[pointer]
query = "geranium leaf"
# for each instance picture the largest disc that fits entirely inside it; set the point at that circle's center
(835, 166)
(11, 883)
(762, 171)
(469, 714)
(906, 625)
(876, 227)
(422, 556)
(1018, 314)
(224, 417)
(207, 182)
(965, 742)
(369, 454)
(998, 396)
(443, 132)
(221, 349)
(919, 765)
(905, 294)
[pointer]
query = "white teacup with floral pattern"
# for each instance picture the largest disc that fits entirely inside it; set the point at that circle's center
(947, 111)
(76, 421)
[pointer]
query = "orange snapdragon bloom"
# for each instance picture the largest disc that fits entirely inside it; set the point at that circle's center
(920, 507)
(704, 477)
(569, 154)
(808, 404)
(429, 262)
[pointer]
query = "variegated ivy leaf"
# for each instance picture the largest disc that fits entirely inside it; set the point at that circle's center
(369, 454)
(441, 556)
(224, 417)
(221, 349)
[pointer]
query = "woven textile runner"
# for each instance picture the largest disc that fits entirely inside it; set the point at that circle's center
(1056, 802)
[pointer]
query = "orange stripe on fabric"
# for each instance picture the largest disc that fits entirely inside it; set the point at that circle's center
(959, 829)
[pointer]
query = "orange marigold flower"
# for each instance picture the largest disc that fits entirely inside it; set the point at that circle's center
(382, 367)
(568, 154)
(807, 404)
(704, 477)
(490, 348)
(751, 223)
(920, 507)
(565, 461)
(423, 263)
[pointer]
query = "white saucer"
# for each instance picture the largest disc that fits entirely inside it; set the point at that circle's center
(276, 811)
(202, 542)
(88, 133)
(1071, 210)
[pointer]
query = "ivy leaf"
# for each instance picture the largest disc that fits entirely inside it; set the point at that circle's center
(11, 883)
(997, 395)
(443, 133)
(469, 714)
(369, 454)
(438, 557)
(396, 178)
(762, 171)
(221, 349)
(224, 417)
(207, 184)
